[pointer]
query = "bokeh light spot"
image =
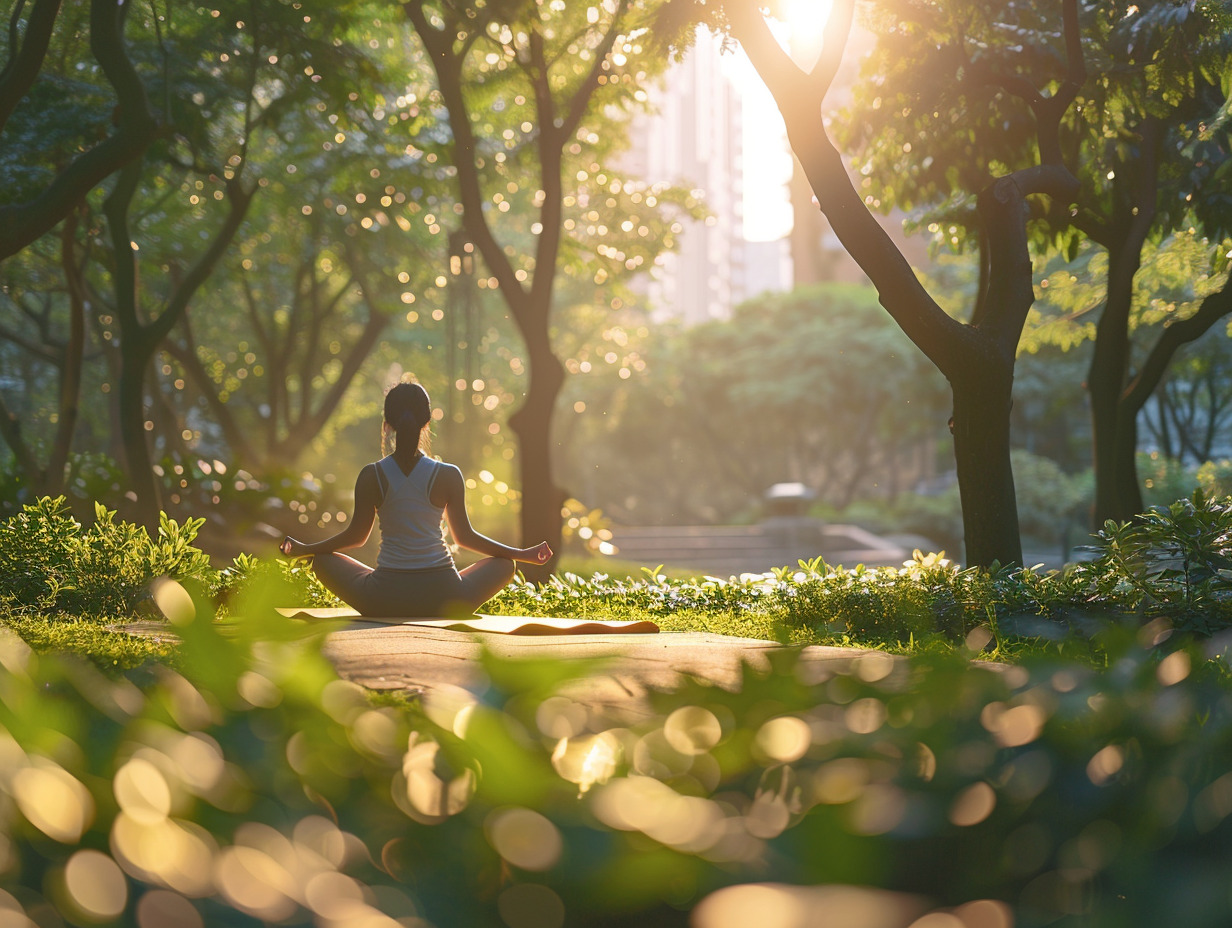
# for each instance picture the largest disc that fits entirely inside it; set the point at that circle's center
(53, 800)
(938, 920)
(1105, 764)
(449, 707)
(973, 805)
(529, 905)
(255, 883)
(784, 739)
(173, 601)
(1173, 669)
(142, 792)
(693, 730)
(587, 761)
(985, 913)
(96, 885)
(430, 794)
(162, 909)
(774, 905)
(524, 838)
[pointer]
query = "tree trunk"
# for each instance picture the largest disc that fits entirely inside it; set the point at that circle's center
(1125, 454)
(74, 353)
(134, 438)
(1106, 379)
(981, 428)
(808, 259)
(1104, 442)
(135, 352)
(1122, 498)
(532, 424)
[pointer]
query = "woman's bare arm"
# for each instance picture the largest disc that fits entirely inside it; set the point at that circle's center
(367, 498)
(450, 490)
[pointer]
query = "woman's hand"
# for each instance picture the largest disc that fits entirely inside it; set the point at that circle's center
(539, 554)
(292, 548)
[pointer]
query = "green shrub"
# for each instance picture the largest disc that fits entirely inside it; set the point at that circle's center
(49, 563)
(246, 572)
(1172, 563)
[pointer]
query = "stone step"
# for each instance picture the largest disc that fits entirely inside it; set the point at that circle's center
(724, 551)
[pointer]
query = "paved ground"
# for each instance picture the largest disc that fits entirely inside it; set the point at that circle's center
(420, 659)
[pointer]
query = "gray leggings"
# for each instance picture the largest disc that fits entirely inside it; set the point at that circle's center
(418, 594)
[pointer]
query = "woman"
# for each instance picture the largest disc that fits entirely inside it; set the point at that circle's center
(415, 574)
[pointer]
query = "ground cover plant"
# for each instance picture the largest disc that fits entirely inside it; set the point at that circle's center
(230, 778)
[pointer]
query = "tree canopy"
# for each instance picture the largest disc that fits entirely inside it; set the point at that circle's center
(1147, 138)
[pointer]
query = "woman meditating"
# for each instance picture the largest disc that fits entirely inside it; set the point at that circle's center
(415, 574)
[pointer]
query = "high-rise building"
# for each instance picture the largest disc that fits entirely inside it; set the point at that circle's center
(692, 138)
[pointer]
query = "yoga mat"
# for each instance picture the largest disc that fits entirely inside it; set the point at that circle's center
(491, 624)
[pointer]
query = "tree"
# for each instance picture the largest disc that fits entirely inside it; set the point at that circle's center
(533, 94)
(312, 297)
(1147, 138)
(102, 149)
(223, 79)
(977, 358)
(1193, 405)
(235, 79)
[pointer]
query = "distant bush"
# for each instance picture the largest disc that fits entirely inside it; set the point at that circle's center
(1165, 479)
(1049, 502)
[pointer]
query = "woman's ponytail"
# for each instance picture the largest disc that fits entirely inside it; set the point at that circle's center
(407, 428)
(408, 411)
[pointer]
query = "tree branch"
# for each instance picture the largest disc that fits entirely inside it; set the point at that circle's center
(74, 352)
(24, 63)
(22, 223)
(186, 354)
(1214, 307)
(580, 100)
(238, 199)
(448, 69)
(833, 42)
(314, 420)
(939, 336)
(775, 67)
(41, 351)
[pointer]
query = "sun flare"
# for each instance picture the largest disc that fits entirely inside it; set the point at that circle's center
(806, 20)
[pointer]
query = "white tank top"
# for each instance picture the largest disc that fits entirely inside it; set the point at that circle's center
(412, 535)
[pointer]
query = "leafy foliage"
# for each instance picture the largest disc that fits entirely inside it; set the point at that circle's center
(817, 385)
(1172, 563)
(295, 577)
(48, 563)
(275, 792)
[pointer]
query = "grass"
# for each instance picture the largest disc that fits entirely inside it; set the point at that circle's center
(110, 650)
